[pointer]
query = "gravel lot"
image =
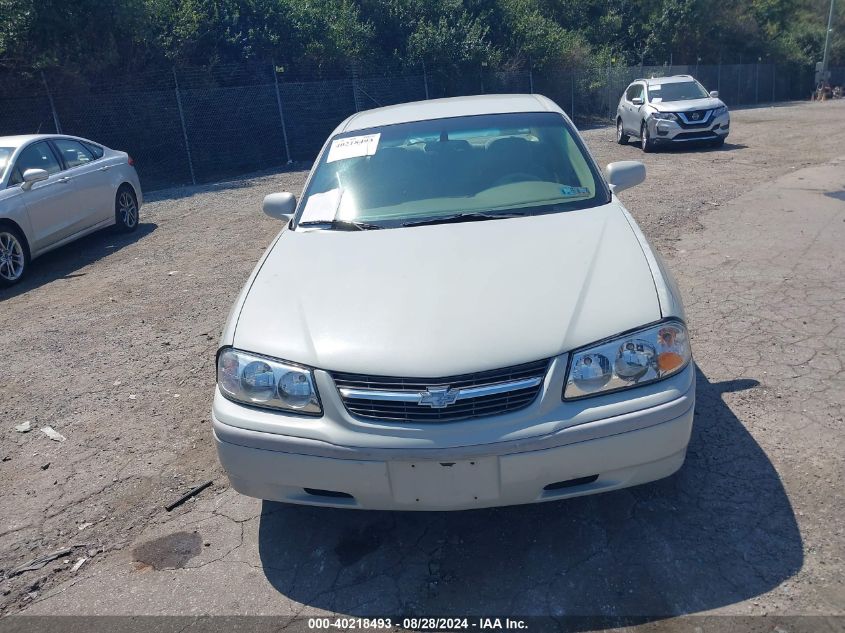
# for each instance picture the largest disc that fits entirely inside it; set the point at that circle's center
(111, 341)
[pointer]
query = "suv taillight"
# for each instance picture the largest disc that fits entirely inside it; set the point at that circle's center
(131, 160)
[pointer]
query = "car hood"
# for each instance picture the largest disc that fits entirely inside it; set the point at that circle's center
(447, 299)
(687, 106)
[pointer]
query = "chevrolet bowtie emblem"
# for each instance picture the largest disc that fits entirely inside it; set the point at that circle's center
(438, 397)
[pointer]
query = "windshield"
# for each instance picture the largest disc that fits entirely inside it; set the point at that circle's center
(676, 91)
(5, 155)
(474, 167)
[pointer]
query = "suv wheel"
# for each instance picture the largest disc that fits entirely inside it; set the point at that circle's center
(621, 137)
(645, 142)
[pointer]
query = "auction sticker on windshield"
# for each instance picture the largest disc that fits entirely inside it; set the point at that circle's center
(353, 147)
(569, 191)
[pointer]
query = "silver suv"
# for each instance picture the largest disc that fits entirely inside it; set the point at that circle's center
(669, 110)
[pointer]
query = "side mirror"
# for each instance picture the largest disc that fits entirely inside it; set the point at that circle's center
(714, 93)
(637, 101)
(31, 176)
(280, 205)
(625, 174)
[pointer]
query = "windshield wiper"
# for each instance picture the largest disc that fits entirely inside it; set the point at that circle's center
(343, 225)
(475, 216)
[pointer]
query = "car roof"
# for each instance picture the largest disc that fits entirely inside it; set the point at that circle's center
(23, 139)
(674, 79)
(18, 140)
(446, 108)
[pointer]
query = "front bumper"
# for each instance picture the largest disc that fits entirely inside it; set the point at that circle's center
(662, 131)
(605, 454)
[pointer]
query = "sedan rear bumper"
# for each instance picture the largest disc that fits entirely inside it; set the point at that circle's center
(476, 479)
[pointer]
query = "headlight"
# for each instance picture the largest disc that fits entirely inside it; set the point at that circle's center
(265, 382)
(720, 111)
(628, 361)
(663, 116)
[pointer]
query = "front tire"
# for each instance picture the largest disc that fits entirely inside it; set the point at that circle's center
(126, 209)
(718, 142)
(621, 137)
(14, 256)
(646, 143)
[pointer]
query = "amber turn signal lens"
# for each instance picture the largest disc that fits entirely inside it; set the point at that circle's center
(667, 361)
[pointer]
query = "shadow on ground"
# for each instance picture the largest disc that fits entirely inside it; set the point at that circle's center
(699, 147)
(720, 531)
(66, 261)
(225, 183)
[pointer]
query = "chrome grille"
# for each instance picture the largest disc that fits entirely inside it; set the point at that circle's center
(476, 395)
(694, 118)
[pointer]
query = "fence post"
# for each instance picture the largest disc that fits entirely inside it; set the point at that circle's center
(52, 105)
(609, 112)
(572, 94)
(281, 111)
(425, 80)
(355, 96)
(184, 129)
(719, 75)
(757, 83)
(774, 78)
(530, 78)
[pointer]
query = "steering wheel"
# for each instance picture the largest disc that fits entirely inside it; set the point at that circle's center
(517, 176)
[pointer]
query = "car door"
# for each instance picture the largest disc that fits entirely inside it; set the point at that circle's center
(624, 106)
(49, 203)
(94, 194)
(639, 109)
(631, 118)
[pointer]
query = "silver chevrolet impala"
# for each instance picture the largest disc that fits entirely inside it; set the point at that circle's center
(459, 313)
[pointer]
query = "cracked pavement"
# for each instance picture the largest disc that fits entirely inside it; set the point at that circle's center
(112, 341)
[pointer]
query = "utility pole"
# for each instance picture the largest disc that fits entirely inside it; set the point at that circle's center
(355, 97)
(184, 127)
(52, 105)
(281, 111)
(827, 41)
(530, 76)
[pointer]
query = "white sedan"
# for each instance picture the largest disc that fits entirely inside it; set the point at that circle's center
(55, 189)
(458, 314)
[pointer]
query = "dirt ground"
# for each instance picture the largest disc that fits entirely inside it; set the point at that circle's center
(111, 342)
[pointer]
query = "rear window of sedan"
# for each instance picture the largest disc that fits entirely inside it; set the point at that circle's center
(96, 150)
(73, 153)
(424, 169)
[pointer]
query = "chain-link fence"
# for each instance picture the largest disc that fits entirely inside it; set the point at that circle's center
(195, 125)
